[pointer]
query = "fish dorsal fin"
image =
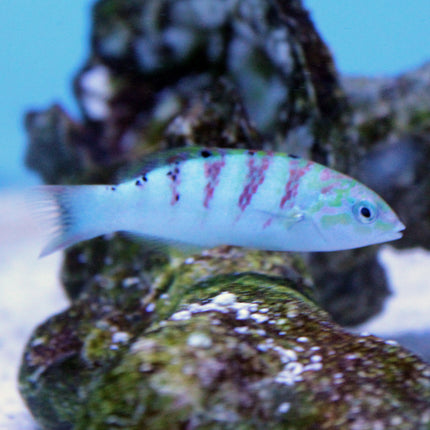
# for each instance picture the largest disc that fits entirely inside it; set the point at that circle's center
(150, 162)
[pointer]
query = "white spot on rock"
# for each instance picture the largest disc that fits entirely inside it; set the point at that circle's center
(396, 421)
(292, 313)
(150, 307)
(313, 366)
(291, 374)
(97, 91)
(129, 282)
(283, 408)
(263, 347)
(243, 314)
(286, 355)
(259, 318)
(38, 341)
(199, 340)
(350, 356)
(120, 337)
(181, 316)
(242, 330)
(224, 299)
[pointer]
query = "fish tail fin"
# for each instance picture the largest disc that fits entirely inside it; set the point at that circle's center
(69, 214)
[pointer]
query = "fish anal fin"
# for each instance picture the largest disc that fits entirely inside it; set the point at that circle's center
(165, 246)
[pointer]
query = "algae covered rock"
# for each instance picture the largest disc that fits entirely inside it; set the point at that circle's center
(228, 338)
(159, 56)
(233, 362)
(230, 350)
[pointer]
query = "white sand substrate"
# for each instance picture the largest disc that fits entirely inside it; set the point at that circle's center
(30, 293)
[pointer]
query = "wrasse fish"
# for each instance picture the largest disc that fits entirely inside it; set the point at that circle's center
(206, 197)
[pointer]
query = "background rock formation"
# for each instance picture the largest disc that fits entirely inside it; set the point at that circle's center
(230, 337)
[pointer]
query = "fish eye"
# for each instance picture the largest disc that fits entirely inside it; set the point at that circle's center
(365, 212)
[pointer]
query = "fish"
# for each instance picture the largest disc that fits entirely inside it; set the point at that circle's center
(205, 197)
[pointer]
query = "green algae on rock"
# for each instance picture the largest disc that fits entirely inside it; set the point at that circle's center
(229, 338)
(238, 350)
(111, 307)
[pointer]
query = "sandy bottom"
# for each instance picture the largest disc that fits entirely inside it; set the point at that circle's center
(30, 293)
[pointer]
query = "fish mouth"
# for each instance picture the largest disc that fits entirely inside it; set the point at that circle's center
(397, 234)
(400, 228)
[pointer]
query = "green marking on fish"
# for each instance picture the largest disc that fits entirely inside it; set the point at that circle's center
(328, 221)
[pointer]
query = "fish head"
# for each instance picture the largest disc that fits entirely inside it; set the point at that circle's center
(351, 215)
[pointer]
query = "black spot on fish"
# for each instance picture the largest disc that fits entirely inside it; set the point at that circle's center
(113, 188)
(205, 153)
(144, 178)
(293, 156)
(251, 152)
(138, 183)
(174, 175)
(177, 197)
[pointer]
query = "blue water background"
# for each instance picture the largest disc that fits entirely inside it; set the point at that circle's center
(43, 44)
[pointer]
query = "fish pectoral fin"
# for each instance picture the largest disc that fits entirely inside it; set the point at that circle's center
(288, 218)
(293, 218)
